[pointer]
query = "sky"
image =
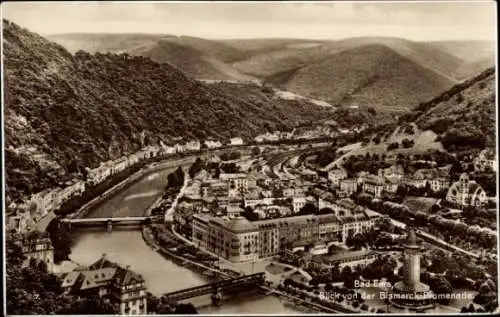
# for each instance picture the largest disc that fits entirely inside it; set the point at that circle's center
(420, 21)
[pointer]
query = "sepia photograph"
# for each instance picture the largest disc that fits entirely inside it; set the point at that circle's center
(249, 157)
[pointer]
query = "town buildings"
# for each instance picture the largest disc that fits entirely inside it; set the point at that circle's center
(466, 192)
(485, 161)
(336, 175)
(236, 141)
(39, 248)
(212, 144)
(298, 203)
(436, 179)
(121, 286)
(348, 187)
(394, 172)
(193, 146)
(239, 240)
(236, 181)
(374, 185)
(350, 258)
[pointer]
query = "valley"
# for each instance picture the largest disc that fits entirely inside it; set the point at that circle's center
(263, 158)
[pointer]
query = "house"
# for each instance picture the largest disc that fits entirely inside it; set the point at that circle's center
(345, 207)
(170, 150)
(374, 185)
(309, 175)
(350, 258)
(348, 186)
(70, 191)
(336, 175)
(466, 192)
(99, 174)
(269, 137)
(211, 144)
(121, 286)
(394, 173)
(293, 192)
(233, 211)
(236, 141)
(436, 179)
(485, 161)
(391, 185)
(236, 181)
(214, 188)
(119, 165)
(45, 201)
(325, 199)
(298, 203)
(19, 220)
(179, 148)
(39, 248)
(193, 146)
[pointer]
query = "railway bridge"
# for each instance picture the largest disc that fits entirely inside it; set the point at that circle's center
(216, 289)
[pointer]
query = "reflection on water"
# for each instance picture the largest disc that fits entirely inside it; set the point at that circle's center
(126, 246)
(141, 195)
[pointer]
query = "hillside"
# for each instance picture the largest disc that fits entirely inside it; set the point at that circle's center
(102, 42)
(271, 58)
(276, 61)
(196, 57)
(469, 51)
(65, 112)
(369, 76)
(194, 62)
(464, 116)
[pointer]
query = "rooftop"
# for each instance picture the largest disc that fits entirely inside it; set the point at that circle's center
(346, 256)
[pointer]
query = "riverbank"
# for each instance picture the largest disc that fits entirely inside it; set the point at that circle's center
(176, 248)
(292, 300)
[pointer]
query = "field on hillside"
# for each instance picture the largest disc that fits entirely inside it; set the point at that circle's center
(424, 141)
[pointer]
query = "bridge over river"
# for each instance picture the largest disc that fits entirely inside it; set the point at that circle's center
(231, 285)
(109, 223)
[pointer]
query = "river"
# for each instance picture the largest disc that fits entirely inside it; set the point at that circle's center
(128, 248)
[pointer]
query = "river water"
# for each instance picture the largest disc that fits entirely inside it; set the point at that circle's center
(162, 276)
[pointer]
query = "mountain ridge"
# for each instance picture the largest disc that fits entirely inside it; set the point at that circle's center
(65, 112)
(363, 76)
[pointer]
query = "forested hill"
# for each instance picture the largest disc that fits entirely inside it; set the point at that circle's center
(463, 116)
(64, 112)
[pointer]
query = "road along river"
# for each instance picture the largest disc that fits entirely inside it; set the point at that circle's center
(129, 249)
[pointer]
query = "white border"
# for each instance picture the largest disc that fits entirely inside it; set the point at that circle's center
(495, 39)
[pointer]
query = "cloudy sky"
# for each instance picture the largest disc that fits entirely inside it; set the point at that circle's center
(416, 21)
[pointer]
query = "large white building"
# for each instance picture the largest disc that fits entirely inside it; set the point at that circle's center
(236, 181)
(236, 141)
(485, 161)
(336, 175)
(239, 240)
(466, 192)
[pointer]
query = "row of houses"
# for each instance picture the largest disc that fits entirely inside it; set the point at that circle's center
(464, 192)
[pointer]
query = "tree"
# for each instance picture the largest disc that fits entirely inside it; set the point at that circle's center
(94, 305)
(407, 143)
(392, 146)
(186, 309)
(255, 151)
(195, 168)
(308, 209)
(61, 239)
(440, 285)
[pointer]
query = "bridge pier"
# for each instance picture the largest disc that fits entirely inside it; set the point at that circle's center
(110, 226)
(216, 297)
